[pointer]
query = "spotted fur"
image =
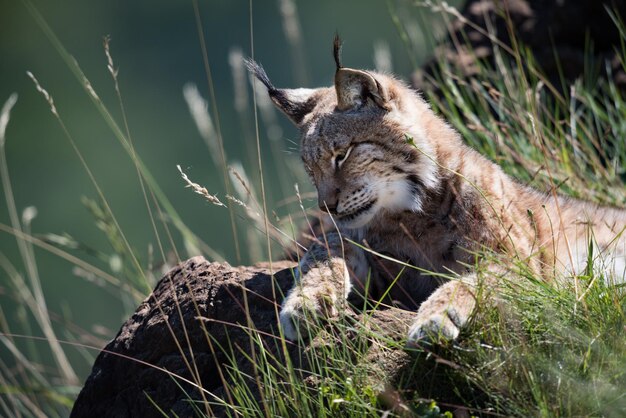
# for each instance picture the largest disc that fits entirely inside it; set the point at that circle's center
(401, 182)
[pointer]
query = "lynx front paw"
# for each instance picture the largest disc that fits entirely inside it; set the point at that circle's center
(303, 308)
(437, 327)
(442, 316)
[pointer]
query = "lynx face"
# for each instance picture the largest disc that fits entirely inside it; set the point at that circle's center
(361, 164)
(354, 143)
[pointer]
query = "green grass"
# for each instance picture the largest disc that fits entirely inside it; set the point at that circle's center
(543, 351)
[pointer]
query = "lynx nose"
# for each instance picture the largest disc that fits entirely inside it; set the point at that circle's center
(328, 201)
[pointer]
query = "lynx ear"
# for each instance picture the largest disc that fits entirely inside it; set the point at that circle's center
(295, 103)
(354, 87)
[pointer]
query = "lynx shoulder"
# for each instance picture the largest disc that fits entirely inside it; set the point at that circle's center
(400, 182)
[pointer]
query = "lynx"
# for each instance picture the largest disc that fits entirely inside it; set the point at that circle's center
(415, 208)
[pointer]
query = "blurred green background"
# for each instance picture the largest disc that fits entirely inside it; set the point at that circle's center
(155, 44)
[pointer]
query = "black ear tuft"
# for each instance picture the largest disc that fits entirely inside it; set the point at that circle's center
(259, 73)
(295, 103)
(337, 50)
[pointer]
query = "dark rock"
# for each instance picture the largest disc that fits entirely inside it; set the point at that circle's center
(564, 36)
(187, 328)
(195, 307)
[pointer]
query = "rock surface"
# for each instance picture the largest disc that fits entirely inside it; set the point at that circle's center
(194, 310)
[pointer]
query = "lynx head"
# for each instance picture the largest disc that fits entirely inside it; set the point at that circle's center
(364, 142)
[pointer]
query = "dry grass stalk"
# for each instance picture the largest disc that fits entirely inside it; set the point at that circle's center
(5, 115)
(202, 191)
(382, 57)
(45, 94)
(198, 107)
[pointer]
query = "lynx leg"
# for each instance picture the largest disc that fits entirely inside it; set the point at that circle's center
(323, 284)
